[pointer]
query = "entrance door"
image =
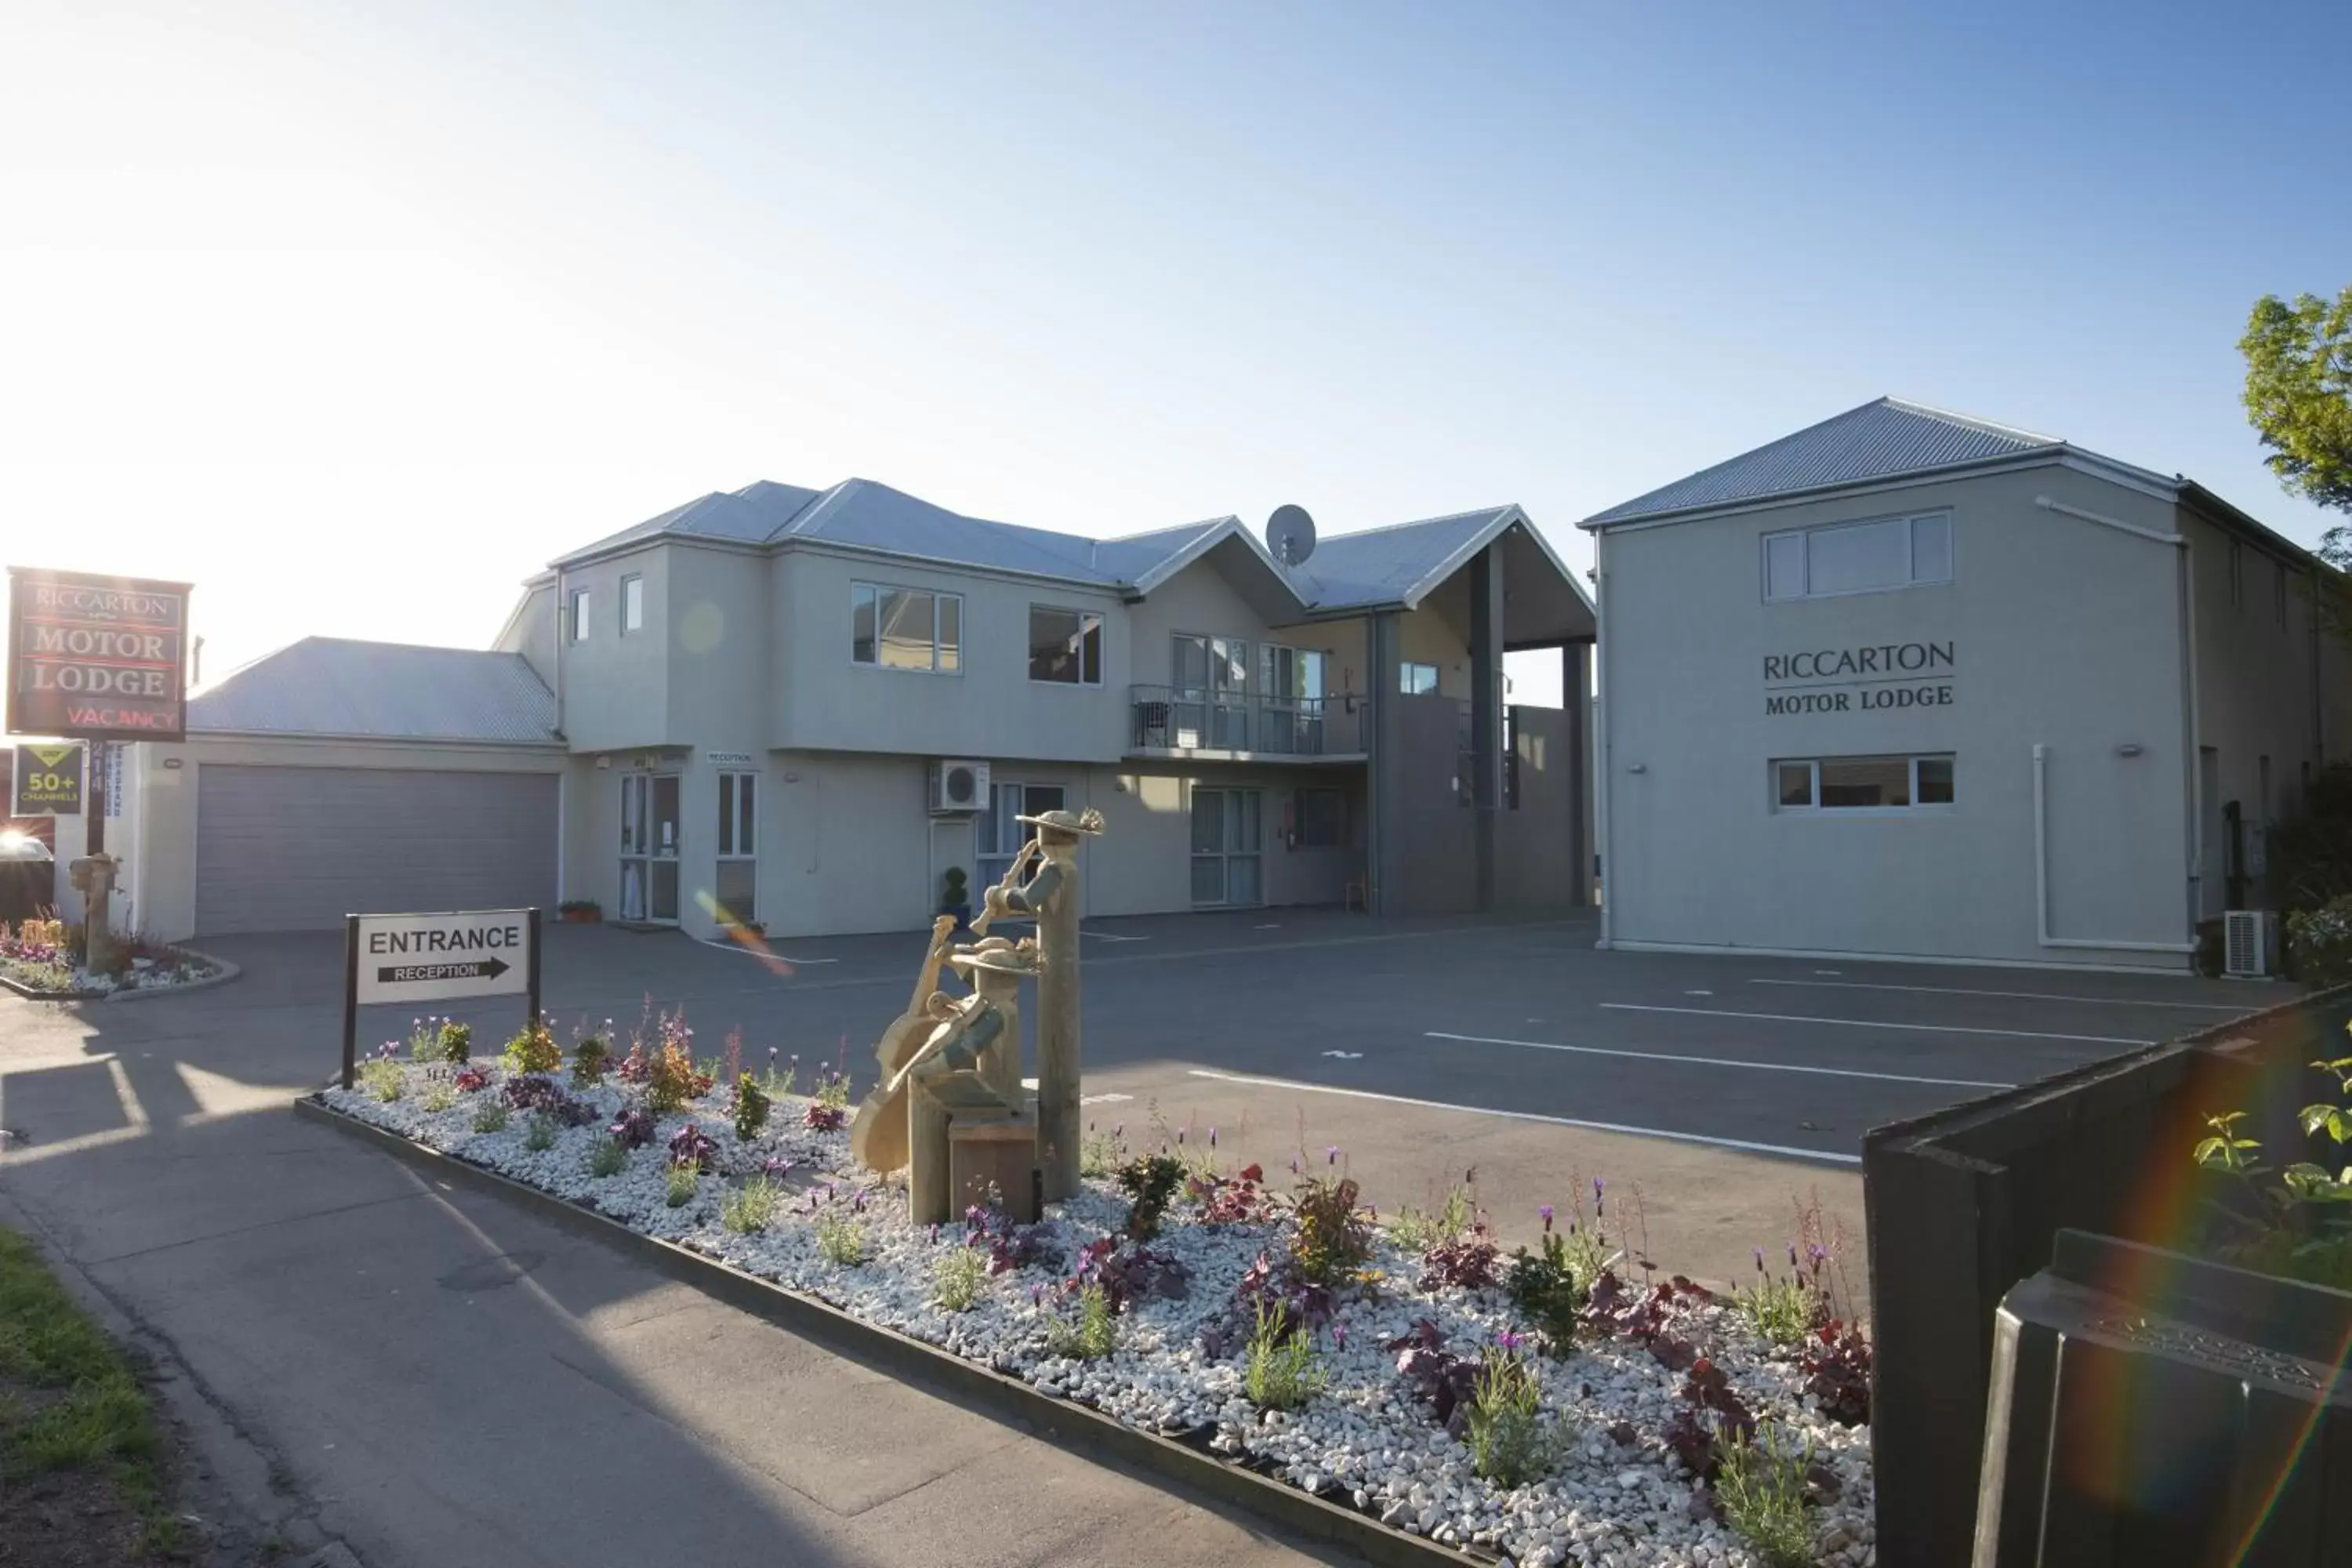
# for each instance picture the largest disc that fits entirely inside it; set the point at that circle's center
(1227, 868)
(737, 877)
(649, 847)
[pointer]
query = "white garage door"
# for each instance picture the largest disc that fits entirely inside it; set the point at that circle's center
(298, 849)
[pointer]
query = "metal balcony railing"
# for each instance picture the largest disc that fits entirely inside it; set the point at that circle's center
(1180, 718)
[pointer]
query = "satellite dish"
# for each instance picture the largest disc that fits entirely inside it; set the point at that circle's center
(1290, 534)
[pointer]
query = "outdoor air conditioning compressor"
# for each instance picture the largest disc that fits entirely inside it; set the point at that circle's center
(2246, 937)
(958, 787)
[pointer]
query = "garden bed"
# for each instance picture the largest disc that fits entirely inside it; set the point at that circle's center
(1182, 1333)
(41, 960)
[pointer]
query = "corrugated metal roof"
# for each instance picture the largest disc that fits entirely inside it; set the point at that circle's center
(1387, 565)
(751, 515)
(1875, 441)
(332, 686)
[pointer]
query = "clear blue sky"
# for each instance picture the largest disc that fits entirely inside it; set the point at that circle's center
(357, 313)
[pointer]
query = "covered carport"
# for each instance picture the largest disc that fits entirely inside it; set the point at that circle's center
(335, 776)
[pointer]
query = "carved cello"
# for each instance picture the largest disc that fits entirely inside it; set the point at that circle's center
(877, 1133)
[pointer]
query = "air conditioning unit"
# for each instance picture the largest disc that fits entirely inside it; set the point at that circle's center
(958, 787)
(2246, 936)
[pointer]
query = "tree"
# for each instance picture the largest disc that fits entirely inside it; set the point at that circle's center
(2299, 396)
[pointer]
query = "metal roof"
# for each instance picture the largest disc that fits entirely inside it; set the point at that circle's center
(332, 686)
(1875, 441)
(1348, 571)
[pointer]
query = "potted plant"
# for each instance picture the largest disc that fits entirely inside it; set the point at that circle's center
(580, 911)
(954, 899)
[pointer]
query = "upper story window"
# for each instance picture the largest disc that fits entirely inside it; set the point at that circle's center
(1858, 557)
(1416, 679)
(633, 604)
(579, 614)
(1293, 677)
(906, 628)
(1066, 647)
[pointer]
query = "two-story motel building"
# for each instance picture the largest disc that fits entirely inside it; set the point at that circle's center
(801, 708)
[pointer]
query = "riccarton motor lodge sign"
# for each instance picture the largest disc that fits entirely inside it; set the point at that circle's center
(100, 657)
(1859, 679)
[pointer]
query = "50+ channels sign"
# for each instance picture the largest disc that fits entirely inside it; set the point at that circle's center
(97, 657)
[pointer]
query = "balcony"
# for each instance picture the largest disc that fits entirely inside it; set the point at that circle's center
(1220, 726)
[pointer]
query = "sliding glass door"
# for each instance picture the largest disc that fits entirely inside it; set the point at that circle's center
(1227, 865)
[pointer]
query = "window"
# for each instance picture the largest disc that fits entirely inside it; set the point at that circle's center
(996, 836)
(735, 887)
(1225, 861)
(1065, 645)
(1417, 679)
(1293, 681)
(1318, 819)
(1211, 692)
(906, 628)
(1858, 557)
(579, 614)
(1860, 784)
(633, 604)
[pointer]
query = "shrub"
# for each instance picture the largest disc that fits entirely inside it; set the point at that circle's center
(382, 1079)
(833, 1089)
(610, 1158)
(425, 1039)
(1784, 1310)
(668, 1073)
(681, 1183)
(1761, 1488)
(539, 1132)
(957, 1278)
(472, 1080)
(1150, 1181)
(2304, 1227)
(457, 1042)
(534, 1050)
(1508, 1445)
(1332, 1236)
(1418, 1230)
(1091, 1335)
(691, 1146)
(2319, 942)
(821, 1117)
(634, 1128)
(1102, 1153)
(1276, 1280)
(1711, 1413)
(752, 1207)
(1551, 1285)
(1836, 1365)
(490, 1116)
(1279, 1372)
(1129, 1274)
(1468, 1262)
(840, 1239)
(440, 1095)
(1438, 1378)
(591, 1059)
(1010, 1246)
(751, 1108)
(547, 1097)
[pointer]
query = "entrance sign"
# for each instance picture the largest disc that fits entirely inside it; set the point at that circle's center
(97, 657)
(48, 781)
(400, 960)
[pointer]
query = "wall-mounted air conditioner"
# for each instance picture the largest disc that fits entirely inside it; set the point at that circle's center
(2246, 937)
(958, 786)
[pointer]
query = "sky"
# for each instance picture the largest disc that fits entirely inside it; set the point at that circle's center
(355, 315)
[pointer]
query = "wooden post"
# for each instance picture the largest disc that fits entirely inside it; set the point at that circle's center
(1057, 1038)
(928, 1195)
(350, 998)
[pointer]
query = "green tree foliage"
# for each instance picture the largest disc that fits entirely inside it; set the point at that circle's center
(2299, 396)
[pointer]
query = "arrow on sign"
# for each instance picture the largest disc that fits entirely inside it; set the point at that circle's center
(471, 969)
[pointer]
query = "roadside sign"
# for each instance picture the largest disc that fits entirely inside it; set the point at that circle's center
(97, 657)
(48, 781)
(399, 959)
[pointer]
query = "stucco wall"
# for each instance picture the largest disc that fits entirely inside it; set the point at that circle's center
(615, 689)
(715, 635)
(2065, 633)
(822, 701)
(164, 859)
(531, 631)
(1534, 853)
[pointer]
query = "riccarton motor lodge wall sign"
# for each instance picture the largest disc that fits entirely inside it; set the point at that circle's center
(96, 658)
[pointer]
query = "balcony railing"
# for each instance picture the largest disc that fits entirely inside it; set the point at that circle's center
(1178, 720)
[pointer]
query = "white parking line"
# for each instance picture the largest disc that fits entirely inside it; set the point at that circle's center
(1872, 1024)
(1105, 936)
(1718, 1061)
(2014, 995)
(1741, 1143)
(761, 952)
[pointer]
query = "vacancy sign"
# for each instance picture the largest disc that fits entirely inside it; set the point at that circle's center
(443, 958)
(97, 657)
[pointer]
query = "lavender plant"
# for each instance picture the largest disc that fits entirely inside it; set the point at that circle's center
(840, 1239)
(1279, 1371)
(610, 1158)
(1090, 1334)
(382, 1079)
(1783, 1309)
(1508, 1445)
(682, 1182)
(539, 1132)
(958, 1278)
(490, 1116)
(752, 1207)
(751, 1108)
(1759, 1485)
(439, 1094)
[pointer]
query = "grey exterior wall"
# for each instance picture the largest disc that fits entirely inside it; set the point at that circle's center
(2066, 633)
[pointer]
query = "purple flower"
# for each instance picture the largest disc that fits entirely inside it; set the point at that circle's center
(1818, 1253)
(1212, 1137)
(1331, 1154)
(935, 1234)
(1338, 1336)
(1510, 1341)
(1180, 1135)
(1037, 1294)
(1792, 1255)
(1293, 1164)
(1759, 1260)
(1119, 1130)
(1543, 1212)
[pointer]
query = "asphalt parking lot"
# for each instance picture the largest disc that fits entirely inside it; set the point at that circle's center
(1726, 1087)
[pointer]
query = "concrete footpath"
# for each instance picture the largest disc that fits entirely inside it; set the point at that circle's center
(408, 1375)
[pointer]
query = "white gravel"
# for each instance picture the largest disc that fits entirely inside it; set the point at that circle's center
(1364, 1439)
